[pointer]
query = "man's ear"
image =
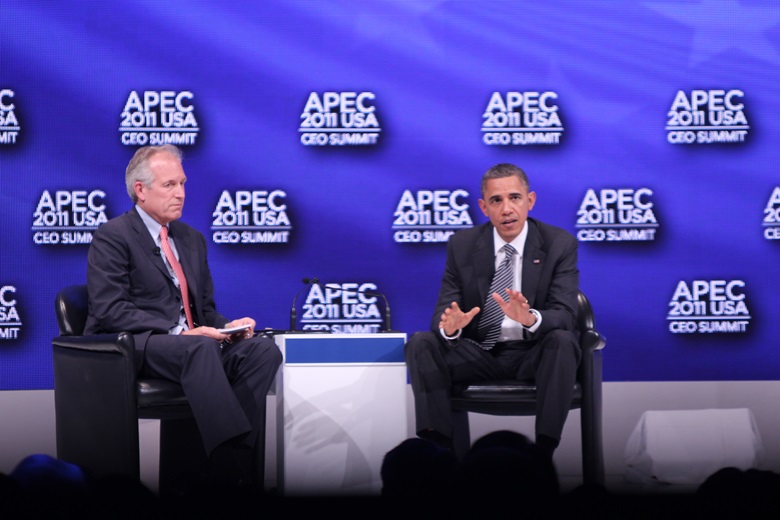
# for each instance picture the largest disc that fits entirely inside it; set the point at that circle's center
(139, 188)
(483, 206)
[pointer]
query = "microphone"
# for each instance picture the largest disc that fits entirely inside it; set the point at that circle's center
(293, 313)
(156, 251)
(388, 327)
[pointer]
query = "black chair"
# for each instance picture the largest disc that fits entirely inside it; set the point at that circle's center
(98, 401)
(509, 397)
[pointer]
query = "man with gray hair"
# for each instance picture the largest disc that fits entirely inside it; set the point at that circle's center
(148, 274)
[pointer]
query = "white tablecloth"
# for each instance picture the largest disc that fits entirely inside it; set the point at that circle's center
(687, 446)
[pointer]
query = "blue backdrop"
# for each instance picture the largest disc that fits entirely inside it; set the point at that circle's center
(345, 140)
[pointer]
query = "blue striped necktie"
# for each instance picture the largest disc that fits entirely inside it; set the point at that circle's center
(492, 315)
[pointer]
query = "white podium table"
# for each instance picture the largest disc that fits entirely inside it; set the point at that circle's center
(341, 405)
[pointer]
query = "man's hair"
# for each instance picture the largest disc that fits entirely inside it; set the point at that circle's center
(138, 168)
(499, 171)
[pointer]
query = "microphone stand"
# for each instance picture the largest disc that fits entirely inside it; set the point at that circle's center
(293, 312)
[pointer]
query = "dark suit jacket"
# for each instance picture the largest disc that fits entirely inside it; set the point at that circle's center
(130, 288)
(550, 275)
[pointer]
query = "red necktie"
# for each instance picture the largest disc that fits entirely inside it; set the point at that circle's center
(185, 295)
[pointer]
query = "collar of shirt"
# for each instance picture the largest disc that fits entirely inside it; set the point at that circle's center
(518, 243)
(154, 230)
(151, 225)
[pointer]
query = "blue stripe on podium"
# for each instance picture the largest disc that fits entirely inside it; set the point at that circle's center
(344, 350)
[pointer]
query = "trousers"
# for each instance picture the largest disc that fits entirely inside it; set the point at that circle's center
(435, 365)
(225, 386)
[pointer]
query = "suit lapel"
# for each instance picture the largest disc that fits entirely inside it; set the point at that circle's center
(483, 261)
(533, 262)
(147, 244)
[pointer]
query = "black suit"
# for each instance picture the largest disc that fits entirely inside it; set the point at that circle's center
(130, 289)
(550, 355)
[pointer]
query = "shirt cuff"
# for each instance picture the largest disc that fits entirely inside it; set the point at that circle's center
(537, 323)
(450, 338)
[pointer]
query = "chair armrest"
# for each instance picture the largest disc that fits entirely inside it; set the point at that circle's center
(95, 401)
(589, 373)
(590, 340)
(119, 343)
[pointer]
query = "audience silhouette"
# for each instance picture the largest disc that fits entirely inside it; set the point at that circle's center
(504, 475)
(50, 488)
(418, 468)
(735, 493)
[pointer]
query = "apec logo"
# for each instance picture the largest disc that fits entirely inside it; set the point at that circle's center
(708, 306)
(340, 119)
(9, 124)
(430, 215)
(68, 217)
(522, 118)
(10, 324)
(251, 217)
(617, 215)
(348, 308)
(707, 117)
(772, 216)
(159, 117)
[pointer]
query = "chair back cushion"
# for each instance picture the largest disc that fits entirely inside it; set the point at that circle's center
(71, 307)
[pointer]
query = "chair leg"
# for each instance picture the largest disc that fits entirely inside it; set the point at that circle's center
(592, 452)
(259, 454)
(591, 420)
(99, 447)
(461, 434)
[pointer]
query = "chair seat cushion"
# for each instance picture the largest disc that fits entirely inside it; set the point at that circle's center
(159, 395)
(502, 397)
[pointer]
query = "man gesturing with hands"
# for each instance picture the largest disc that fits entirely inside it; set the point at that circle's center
(506, 310)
